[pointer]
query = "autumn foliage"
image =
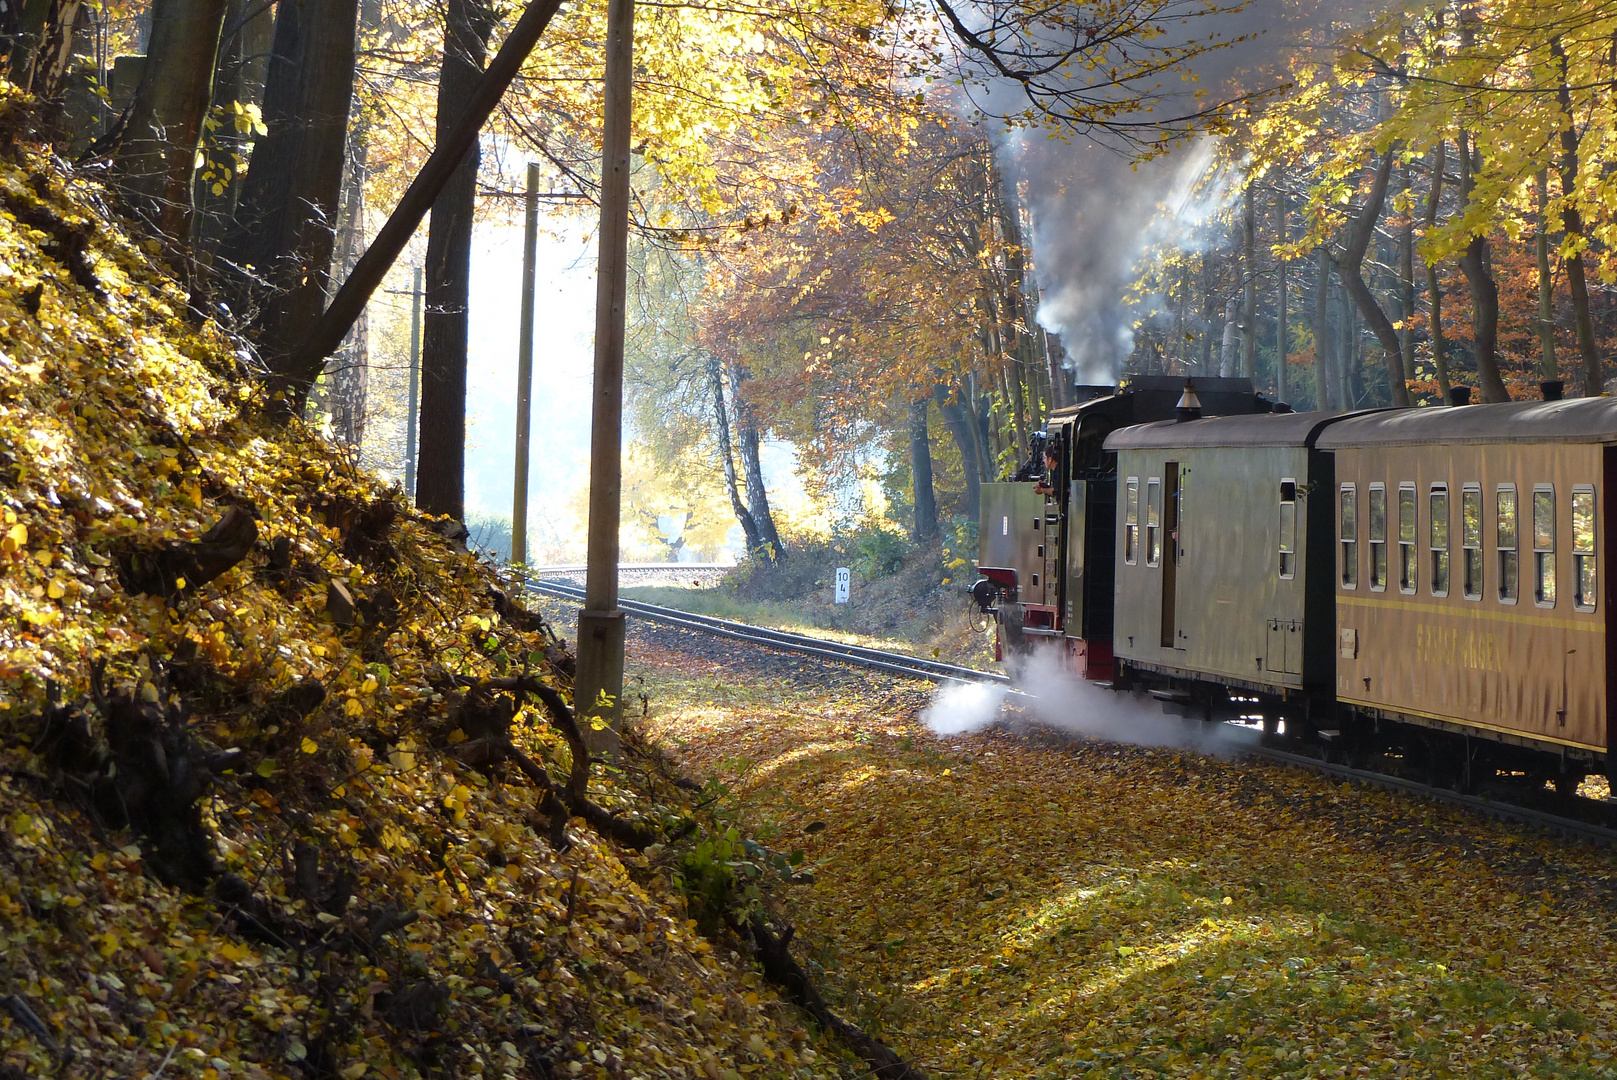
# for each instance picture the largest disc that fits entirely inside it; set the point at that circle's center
(281, 769)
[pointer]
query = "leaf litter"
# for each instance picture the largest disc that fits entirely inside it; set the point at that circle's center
(377, 907)
(1023, 903)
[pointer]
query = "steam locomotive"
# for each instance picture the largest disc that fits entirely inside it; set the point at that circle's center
(1420, 581)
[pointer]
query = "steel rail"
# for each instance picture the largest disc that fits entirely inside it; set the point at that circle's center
(937, 671)
(897, 663)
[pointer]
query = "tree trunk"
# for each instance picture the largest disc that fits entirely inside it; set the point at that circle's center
(1484, 296)
(1282, 344)
(1351, 268)
(976, 430)
(348, 372)
(721, 419)
(158, 156)
(1327, 394)
(1547, 367)
(1179, 346)
(37, 41)
(1230, 341)
(1406, 279)
(957, 419)
(1209, 313)
(757, 494)
(1349, 353)
(926, 503)
(284, 227)
(1249, 308)
(1572, 239)
(249, 35)
(440, 485)
(323, 338)
(1434, 282)
(1017, 309)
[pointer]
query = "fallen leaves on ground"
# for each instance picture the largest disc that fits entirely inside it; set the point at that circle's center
(1024, 905)
(471, 947)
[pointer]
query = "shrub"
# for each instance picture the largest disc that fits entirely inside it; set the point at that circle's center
(959, 547)
(878, 552)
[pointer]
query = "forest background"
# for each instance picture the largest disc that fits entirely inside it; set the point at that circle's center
(874, 244)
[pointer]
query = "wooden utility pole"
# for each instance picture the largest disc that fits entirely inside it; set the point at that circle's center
(417, 290)
(598, 687)
(519, 484)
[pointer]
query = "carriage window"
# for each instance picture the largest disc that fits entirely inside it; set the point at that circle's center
(1153, 521)
(1350, 537)
(1378, 536)
(1544, 545)
(1440, 540)
(1583, 549)
(1471, 541)
(1288, 528)
(1131, 520)
(1406, 537)
(1505, 541)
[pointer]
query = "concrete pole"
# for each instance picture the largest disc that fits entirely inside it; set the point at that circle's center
(519, 485)
(417, 291)
(598, 688)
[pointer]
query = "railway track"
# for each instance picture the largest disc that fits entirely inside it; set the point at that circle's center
(940, 672)
(895, 663)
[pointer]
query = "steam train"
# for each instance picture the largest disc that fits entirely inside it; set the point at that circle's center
(1421, 581)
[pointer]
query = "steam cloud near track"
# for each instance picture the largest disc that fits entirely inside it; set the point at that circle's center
(1060, 700)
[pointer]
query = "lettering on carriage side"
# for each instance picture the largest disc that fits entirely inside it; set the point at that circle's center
(1481, 651)
(1445, 645)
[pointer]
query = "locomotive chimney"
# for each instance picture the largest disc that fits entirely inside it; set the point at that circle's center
(1190, 406)
(1554, 389)
(1459, 395)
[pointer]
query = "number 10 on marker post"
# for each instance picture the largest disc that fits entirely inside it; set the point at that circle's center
(843, 579)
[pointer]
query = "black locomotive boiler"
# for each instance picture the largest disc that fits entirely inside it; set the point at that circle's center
(1426, 580)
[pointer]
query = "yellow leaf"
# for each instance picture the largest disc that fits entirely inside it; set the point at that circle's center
(309, 746)
(354, 1071)
(232, 951)
(56, 590)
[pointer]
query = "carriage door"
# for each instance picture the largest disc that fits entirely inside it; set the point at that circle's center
(1172, 487)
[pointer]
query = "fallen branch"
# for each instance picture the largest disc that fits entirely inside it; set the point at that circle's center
(173, 568)
(575, 794)
(781, 968)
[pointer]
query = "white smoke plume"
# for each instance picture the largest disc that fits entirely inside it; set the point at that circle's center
(1094, 215)
(1052, 696)
(1095, 209)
